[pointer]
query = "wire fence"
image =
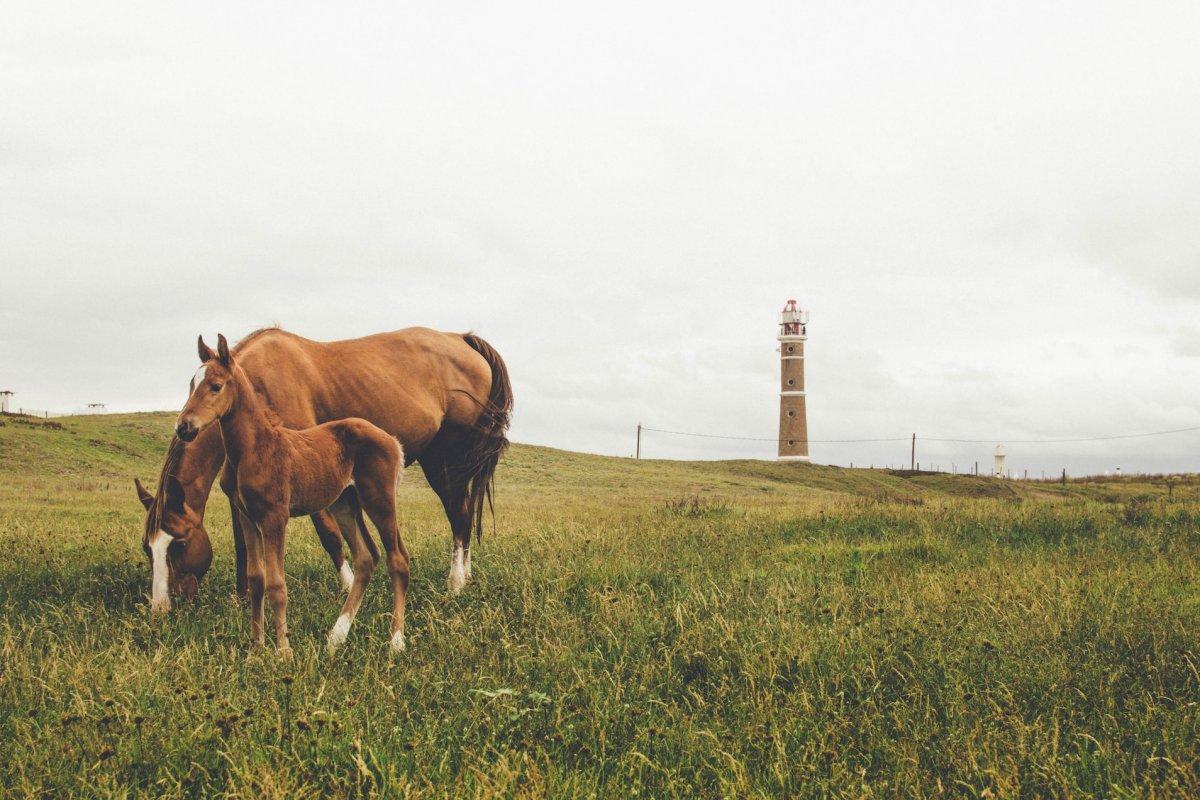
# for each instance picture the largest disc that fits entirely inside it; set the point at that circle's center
(913, 440)
(777, 440)
(42, 413)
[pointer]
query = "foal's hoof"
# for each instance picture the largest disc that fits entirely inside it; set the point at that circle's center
(397, 645)
(338, 635)
(284, 653)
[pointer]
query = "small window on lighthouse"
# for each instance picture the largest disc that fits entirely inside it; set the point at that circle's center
(791, 412)
(791, 348)
(791, 442)
(791, 381)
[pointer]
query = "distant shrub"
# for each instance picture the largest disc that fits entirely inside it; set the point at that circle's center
(1138, 509)
(695, 506)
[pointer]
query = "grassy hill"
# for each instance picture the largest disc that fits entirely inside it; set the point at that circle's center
(670, 629)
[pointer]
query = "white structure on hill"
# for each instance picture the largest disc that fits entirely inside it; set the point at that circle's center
(998, 469)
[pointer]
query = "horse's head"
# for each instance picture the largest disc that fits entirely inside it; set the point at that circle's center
(174, 541)
(213, 390)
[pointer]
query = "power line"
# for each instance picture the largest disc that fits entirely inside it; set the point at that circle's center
(776, 440)
(932, 438)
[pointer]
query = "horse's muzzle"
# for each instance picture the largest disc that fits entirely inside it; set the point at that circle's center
(186, 431)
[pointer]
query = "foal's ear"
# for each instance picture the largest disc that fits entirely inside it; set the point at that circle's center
(223, 350)
(205, 352)
(174, 493)
(146, 498)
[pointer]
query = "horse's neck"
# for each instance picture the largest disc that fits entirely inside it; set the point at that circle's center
(246, 428)
(199, 465)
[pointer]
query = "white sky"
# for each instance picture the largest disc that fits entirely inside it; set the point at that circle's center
(992, 212)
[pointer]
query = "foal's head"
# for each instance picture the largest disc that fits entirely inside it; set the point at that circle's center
(213, 390)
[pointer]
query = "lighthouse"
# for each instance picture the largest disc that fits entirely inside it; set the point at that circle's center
(793, 422)
(998, 467)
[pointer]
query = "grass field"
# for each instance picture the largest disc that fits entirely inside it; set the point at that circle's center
(653, 629)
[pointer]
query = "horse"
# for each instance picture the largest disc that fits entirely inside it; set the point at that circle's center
(445, 396)
(281, 473)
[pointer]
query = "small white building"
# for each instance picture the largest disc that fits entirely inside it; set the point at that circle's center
(998, 468)
(4, 395)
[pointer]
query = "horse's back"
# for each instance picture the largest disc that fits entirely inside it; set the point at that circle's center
(409, 382)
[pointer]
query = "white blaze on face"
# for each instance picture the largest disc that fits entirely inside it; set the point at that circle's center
(160, 600)
(198, 378)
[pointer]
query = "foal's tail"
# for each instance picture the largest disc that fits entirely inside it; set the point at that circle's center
(489, 437)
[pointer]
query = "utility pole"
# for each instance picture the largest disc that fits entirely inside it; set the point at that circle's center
(638, 452)
(913, 461)
(1064, 478)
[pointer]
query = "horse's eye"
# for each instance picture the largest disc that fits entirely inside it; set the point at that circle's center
(214, 387)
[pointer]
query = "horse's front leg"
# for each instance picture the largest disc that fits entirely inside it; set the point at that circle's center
(255, 578)
(274, 530)
(240, 526)
(239, 550)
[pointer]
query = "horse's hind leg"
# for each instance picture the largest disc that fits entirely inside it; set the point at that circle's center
(451, 489)
(364, 555)
(331, 539)
(377, 492)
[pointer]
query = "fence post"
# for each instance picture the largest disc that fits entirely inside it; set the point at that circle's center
(638, 452)
(913, 461)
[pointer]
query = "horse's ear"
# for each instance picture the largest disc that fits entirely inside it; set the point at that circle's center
(205, 352)
(146, 498)
(174, 493)
(223, 350)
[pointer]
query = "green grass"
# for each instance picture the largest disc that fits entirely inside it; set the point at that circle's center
(657, 629)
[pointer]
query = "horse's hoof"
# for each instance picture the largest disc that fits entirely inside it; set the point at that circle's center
(397, 645)
(285, 653)
(338, 635)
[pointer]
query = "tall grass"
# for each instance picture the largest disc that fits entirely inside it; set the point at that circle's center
(659, 630)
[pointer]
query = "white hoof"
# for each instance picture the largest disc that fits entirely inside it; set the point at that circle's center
(346, 575)
(398, 642)
(338, 635)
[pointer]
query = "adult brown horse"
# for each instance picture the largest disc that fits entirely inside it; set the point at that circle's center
(445, 396)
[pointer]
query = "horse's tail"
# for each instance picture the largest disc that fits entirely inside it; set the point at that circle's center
(489, 435)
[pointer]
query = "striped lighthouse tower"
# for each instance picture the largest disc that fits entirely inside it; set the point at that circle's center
(793, 421)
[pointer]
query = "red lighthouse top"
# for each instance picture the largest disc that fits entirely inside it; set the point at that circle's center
(792, 320)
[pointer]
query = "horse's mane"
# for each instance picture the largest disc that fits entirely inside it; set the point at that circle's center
(252, 335)
(174, 454)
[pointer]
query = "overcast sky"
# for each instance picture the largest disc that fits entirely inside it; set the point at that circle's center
(993, 214)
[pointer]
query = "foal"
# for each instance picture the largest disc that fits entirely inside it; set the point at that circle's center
(282, 473)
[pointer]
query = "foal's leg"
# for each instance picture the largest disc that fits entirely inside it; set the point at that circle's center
(228, 485)
(331, 540)
(239, 552)
(255, 579)
(273, 533)
(378, 498)
(364, 556)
